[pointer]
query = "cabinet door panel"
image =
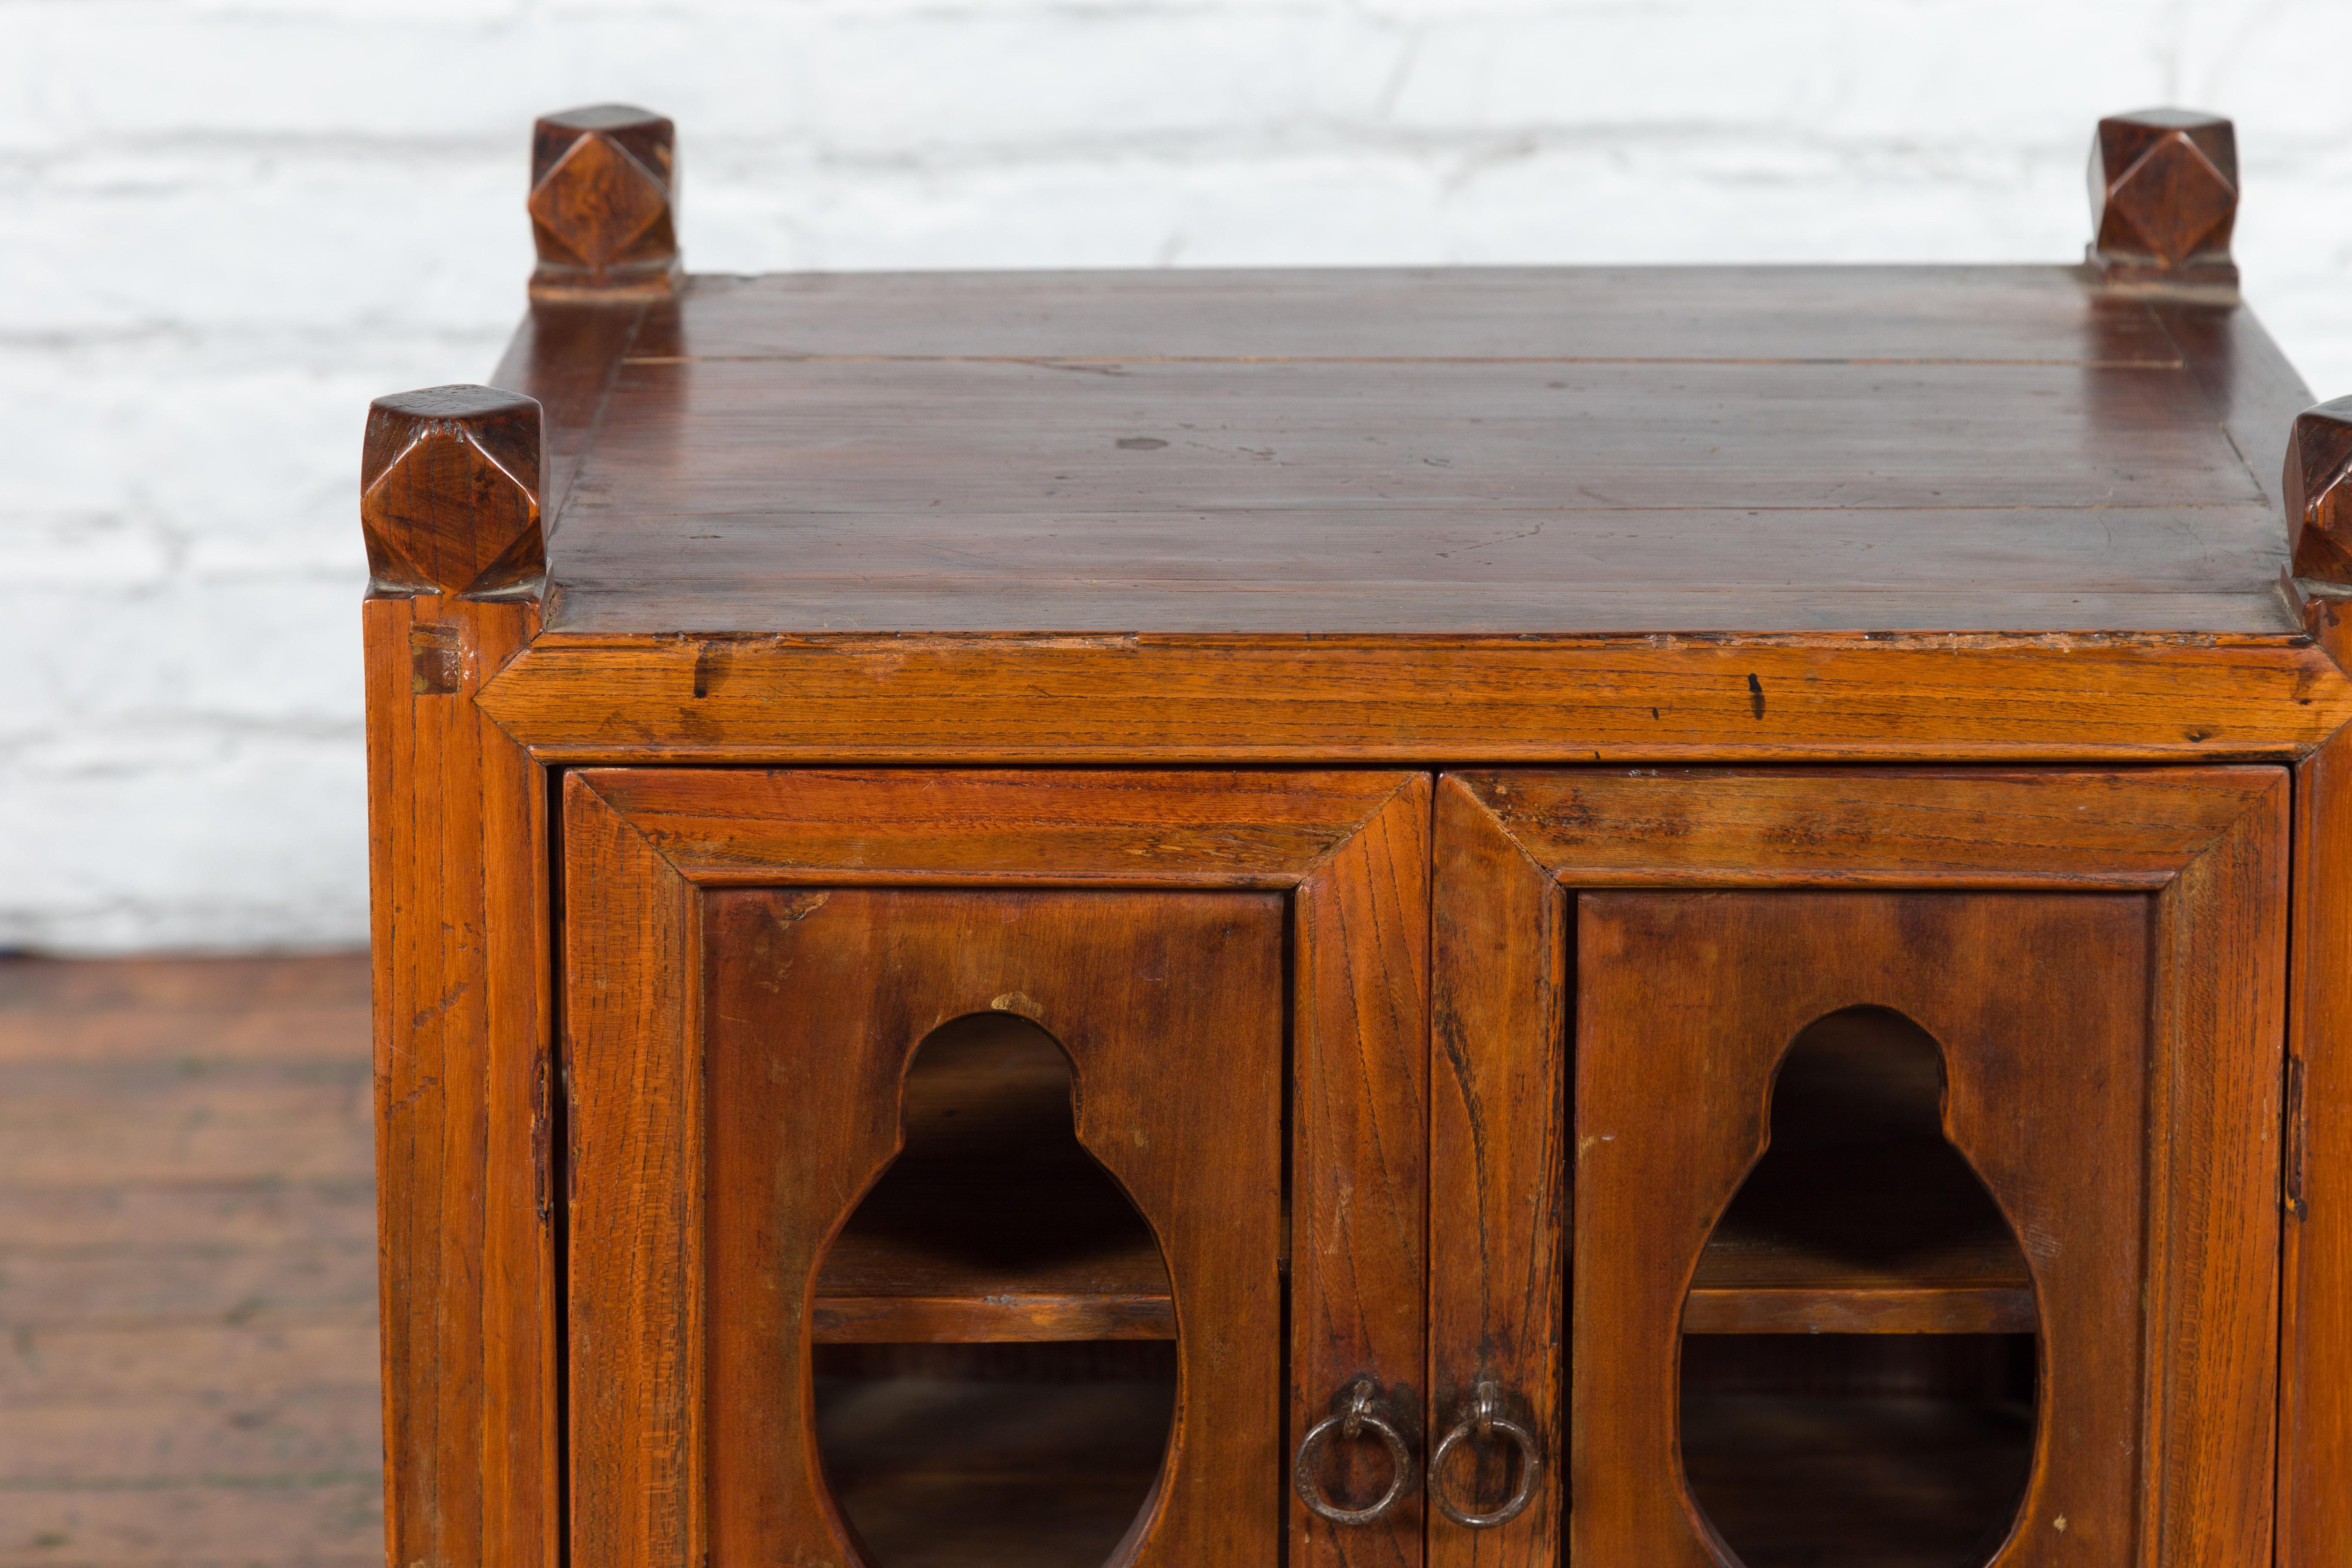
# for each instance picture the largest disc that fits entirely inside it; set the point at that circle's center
(1685, 1007)
(1170, 1005)
(1608, 1020)
(753, 962)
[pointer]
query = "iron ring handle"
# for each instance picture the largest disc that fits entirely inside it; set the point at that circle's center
(1480, 1421)
(1360, 1413)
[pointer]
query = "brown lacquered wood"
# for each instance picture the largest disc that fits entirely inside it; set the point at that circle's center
(1898, 315)
(565, 357)
(450, 492)
(1706, 827)
(1358, 1243)
(1859, 1309)
(632, 1028)
(2214, 934)
(2164, 197)
(1119, 699)
(1892, 1238)
(603, 204)
(1649, 1182)
(1345, 851)
(1350, 494)
(803, 1095)
(1504, 449)
(1497, 1126)
(2315, 1501)
(2318, 505)
(991, 1222)
(461, 931)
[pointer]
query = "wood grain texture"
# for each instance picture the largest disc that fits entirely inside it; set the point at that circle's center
(1465, 450)
(1347, 849)
(1860, 1219)
(2219, 1005)
(2318, 504)
(2163, 198)
(603, 204)
(1899, 314)
(2252, 388)
(2314, 1472)
(1116, 827)
(1151, 701)
(633, 1061)
(1359, 1170)
(566, 357)
(817, 1002)
(2215, 1023)
(1685, 1003)
(1498, 1183)
(461, 921)
(991, 1222)
(1425, 497)
(1870, 827)
(450, 492)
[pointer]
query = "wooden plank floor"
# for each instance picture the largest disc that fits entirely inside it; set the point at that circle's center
(187, 1265)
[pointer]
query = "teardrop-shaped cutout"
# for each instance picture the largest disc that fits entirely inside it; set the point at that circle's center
(1859, 1354)
(999, 1374)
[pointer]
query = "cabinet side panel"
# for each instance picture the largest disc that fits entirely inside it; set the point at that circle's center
(632, 1027)
(1497, 1116)
(457, 868)
(1358, 1177)
(2314, 1498)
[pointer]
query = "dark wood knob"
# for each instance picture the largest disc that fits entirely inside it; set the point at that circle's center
(449, 483)
(2164, 197)
(603, 203)
(2319, 498)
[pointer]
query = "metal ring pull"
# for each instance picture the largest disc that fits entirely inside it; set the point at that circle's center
(1480, 1421)
(1360, 1414)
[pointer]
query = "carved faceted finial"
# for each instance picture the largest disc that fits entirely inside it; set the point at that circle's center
(604, 202)
(449, 490)
(2164, 197)
(2318, 488)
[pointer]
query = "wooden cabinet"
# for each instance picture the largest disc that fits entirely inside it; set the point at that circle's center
(1391, 920)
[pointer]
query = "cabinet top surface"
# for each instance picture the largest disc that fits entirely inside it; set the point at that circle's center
(1432, 451)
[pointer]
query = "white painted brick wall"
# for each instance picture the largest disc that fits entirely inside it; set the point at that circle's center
(229, 223)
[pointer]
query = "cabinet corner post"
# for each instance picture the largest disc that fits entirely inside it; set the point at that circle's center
(2314, 1509)
(461, 903)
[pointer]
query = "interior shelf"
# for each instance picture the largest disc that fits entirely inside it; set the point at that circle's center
(1905, 1243)
(995, 1225)
(949, 1252)
(1860, 1217)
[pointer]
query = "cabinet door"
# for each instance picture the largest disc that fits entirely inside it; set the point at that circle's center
(1861, 1166)
(959, 1160)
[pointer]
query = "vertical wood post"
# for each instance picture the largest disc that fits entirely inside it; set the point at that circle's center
(458, 868)
(603, 204)
(2163, 198)
(2315, 1463)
